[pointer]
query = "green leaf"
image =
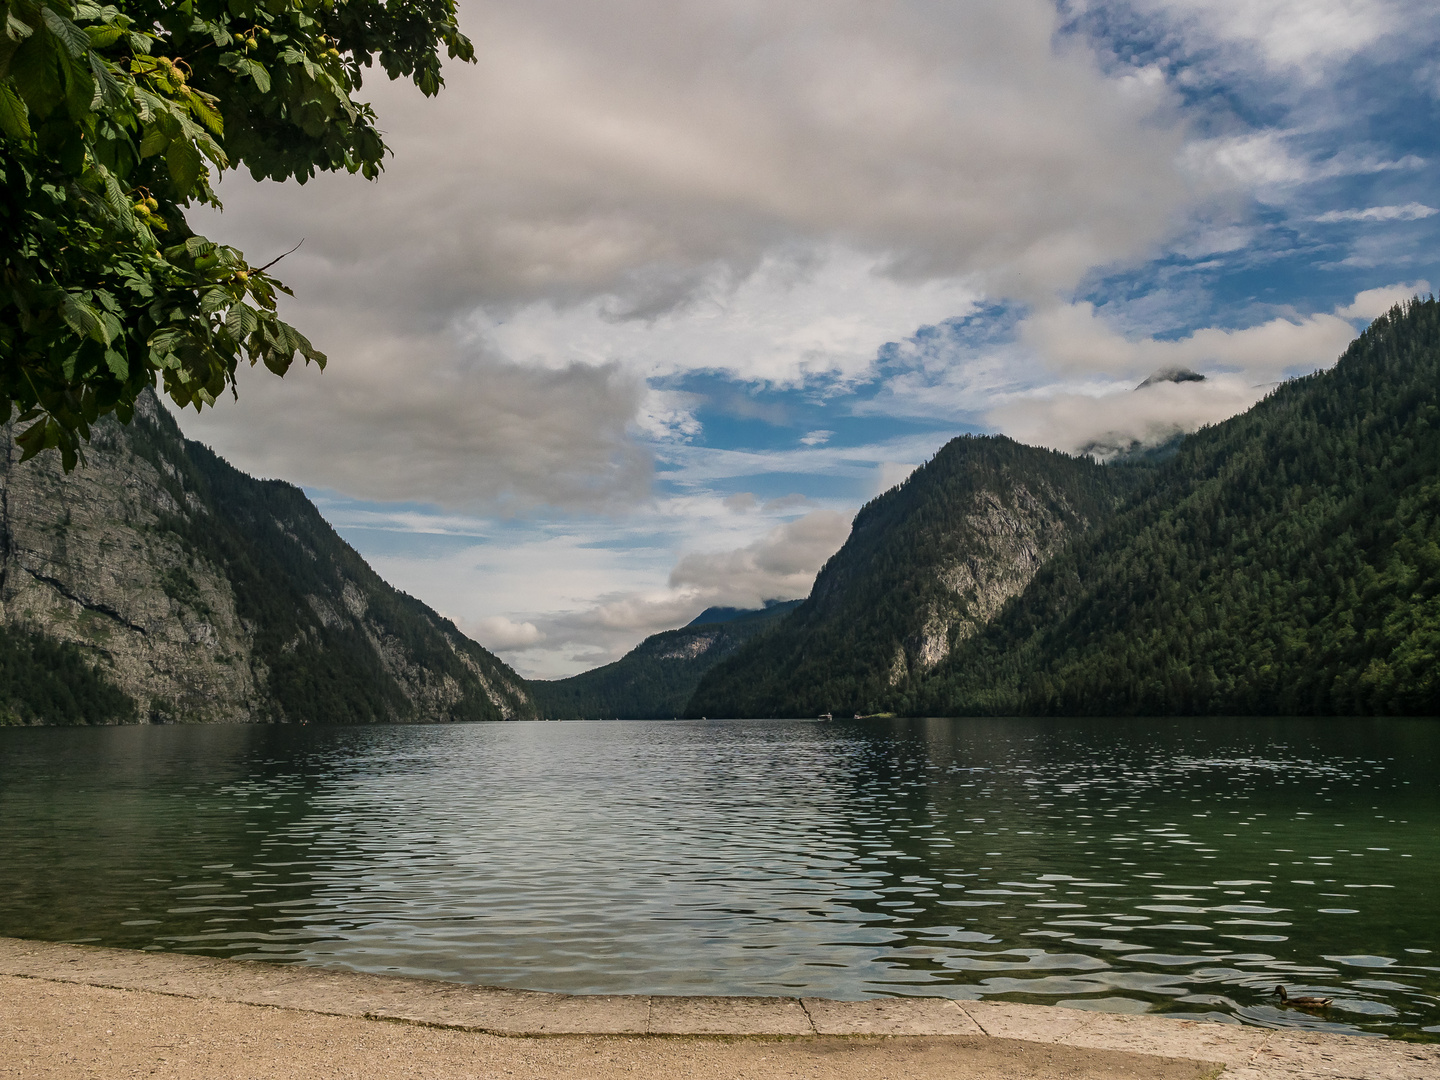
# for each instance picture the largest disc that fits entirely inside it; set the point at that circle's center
(75, 40)
(184, 163)
(109, 91)
(14, 116)
(117, 363)
(258, 73)
(15, 29)
(103, 36)
(32, 440)
(207, 114)
(83, 319)
(241, 320)
(154, 141)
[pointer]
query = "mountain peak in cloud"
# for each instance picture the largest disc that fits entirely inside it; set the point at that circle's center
(1172, 375)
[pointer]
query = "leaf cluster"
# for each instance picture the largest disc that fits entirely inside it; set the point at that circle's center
(114, 119)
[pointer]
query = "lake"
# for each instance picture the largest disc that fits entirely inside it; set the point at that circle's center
(1175, 866)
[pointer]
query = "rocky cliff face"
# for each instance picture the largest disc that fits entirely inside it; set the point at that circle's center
(207, 596)
(926, 566)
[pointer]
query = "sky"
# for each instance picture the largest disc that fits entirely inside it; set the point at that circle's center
(654, 296)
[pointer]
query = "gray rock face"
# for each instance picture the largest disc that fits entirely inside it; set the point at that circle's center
(208, 596)
(927, 565)
(1011, 534)
(84, 559)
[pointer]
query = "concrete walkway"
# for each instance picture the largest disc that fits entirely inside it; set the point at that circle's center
(341, 1023)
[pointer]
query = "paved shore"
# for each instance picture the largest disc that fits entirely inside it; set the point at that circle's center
(73, 1011)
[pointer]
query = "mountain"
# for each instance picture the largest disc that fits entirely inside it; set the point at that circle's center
(730, 614)
(655, 679)
(1172, 375)
(926, 565)
(1285, 561)
(159, 584)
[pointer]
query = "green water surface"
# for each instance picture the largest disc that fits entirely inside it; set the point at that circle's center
(1183, 867)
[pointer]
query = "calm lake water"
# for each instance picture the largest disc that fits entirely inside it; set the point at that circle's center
(1183, 867)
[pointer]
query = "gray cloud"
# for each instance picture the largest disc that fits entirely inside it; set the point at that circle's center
(397, 420)
(624, 148)
(613, 159)
(780, 565)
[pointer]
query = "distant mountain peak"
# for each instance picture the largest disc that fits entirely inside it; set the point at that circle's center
(732, 614)
(1172, 375)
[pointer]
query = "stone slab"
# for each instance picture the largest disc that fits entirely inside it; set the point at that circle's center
(728, 1016)
(1246, 1053)
(889, 1016)
(1029, 1023)
(1228, 1044)
(1349, 1056)
(598, 1014)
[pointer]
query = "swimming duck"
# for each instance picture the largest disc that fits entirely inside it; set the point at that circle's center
(1303, 1001)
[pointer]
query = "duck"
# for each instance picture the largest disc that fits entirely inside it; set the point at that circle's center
(1302, 1001)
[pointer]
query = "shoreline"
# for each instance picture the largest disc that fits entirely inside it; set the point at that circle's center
(320, 1000)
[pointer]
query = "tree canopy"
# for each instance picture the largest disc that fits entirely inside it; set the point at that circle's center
(113, 119)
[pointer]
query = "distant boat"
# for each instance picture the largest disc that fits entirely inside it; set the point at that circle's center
(825, 716)
(857, 716)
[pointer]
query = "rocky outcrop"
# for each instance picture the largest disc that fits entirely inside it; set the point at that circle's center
(1011, 535)
(208, 596)
(86, 559)
(926, 567)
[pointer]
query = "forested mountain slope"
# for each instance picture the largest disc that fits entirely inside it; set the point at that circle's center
(1285, 561)
(160, 584)
(926, 565)
(656, 679)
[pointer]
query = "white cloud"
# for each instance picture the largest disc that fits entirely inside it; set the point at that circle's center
(1372, 303)
(1096, 408)
(889, 474)
(793, 317)
(500, 634)
(1075, 339)
(1263, 164)
(1302, 35)
(816, 438)
(1117, 421)
(620, 191)
(780, 565)
(554, 598)
(1413, 211)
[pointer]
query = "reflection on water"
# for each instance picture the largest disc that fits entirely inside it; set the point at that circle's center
(1180, 867)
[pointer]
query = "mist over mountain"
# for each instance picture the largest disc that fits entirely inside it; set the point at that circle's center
(1284, 561)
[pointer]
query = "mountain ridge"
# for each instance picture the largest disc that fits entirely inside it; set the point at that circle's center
(1286, 560)
(655, 680)
(201, 594)
(980, 518)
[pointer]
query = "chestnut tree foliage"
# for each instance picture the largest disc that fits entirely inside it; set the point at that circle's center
(113, 119)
